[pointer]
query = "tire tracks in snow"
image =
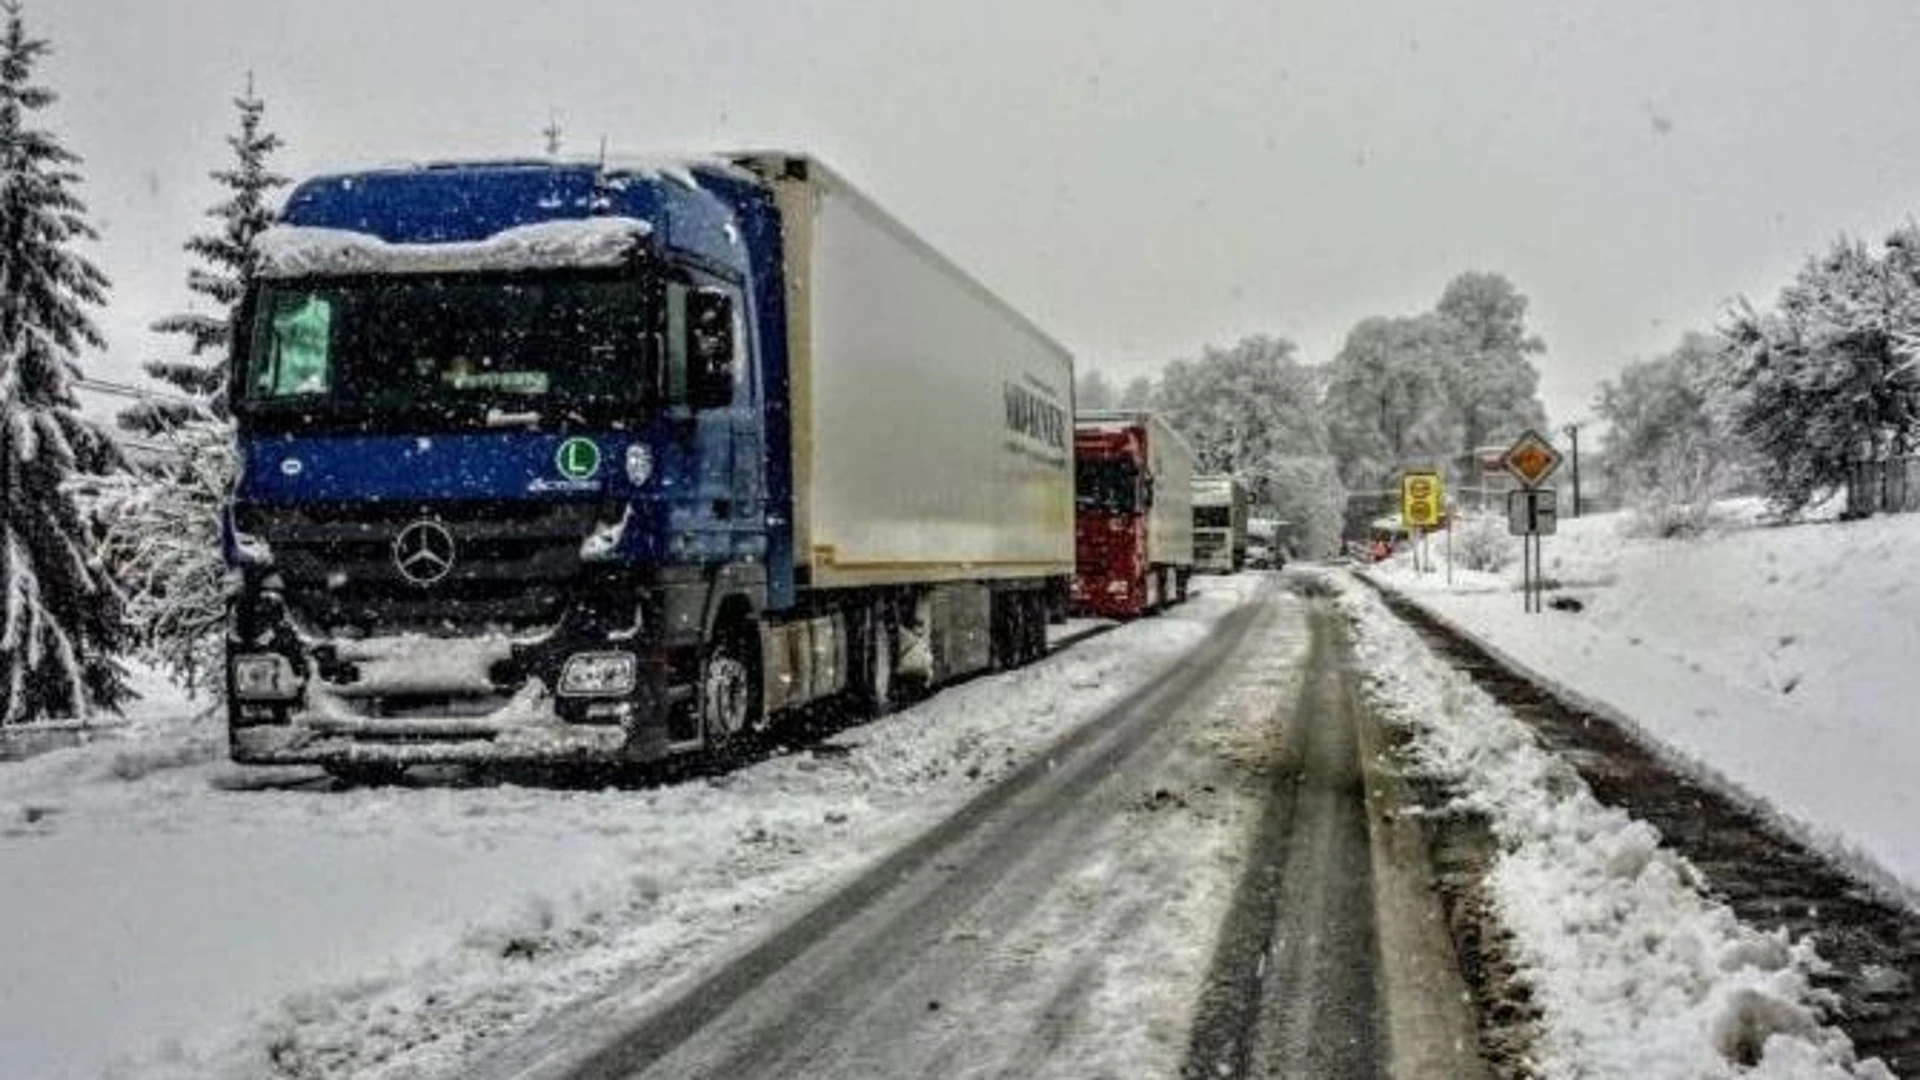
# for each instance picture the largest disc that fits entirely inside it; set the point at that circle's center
(858, 985)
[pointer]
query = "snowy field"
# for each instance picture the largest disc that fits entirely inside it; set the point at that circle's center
(159, 921)
(1635, 972)
(1783, 660)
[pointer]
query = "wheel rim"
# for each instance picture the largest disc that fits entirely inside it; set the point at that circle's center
(725, 695)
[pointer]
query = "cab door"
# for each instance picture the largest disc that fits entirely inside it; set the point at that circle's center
(710, 369)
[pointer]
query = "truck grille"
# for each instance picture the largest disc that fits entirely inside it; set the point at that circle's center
(513, 563)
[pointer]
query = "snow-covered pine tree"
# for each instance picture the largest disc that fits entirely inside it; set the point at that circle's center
(229, 257)
(61, 621)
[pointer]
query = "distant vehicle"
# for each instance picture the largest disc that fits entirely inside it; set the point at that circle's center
(1220, 508)
(1265, 548)
(1133, 514)
(587, 462)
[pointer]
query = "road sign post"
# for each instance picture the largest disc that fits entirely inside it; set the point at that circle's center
(1533, 511)
(1421, 497)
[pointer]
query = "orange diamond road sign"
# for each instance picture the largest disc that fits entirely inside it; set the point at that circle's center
(1532, 458)
(1420, 500)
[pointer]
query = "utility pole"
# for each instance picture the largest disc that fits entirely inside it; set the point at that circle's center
(1573, 432)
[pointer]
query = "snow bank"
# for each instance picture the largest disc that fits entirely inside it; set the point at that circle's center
(172, 926)
(1780, 660)
(290, 251)
(1635, 971)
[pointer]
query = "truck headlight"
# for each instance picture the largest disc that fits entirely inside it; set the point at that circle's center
(264, 677)
(598, 674)
(1117, 588)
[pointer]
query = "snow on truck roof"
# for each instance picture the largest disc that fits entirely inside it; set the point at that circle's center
(508, 215)
(288, 251)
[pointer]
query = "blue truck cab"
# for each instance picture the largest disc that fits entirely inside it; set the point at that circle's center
(516, 476)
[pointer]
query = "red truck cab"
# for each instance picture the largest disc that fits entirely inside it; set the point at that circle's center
(1133, 544)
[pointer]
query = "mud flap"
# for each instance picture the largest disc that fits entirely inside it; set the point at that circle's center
(648, 737)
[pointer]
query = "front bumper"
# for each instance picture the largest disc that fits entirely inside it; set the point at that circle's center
(526, 729)
(1107, 598)
(418, 699)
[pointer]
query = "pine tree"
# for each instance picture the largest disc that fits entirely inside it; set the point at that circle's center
(61, 619)
(230, 257)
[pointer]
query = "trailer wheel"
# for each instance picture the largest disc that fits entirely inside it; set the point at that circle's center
(874, 689)
(1036, 636)
(1180, 581)
(729, 690)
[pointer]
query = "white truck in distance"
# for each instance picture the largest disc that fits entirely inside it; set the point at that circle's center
(1220, 507)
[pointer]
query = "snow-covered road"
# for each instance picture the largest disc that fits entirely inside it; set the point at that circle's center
(158, 923)
(1060, 924)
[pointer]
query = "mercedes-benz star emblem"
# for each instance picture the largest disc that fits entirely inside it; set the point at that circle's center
(424, 552)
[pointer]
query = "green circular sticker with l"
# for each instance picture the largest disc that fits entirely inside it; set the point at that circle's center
(577, 458)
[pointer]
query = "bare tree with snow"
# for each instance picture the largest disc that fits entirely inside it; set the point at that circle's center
(1092, 392)
(1254, 410)
(159, 529)
(1672, 445)
(1488, 373)
(61, 622)
(1386, 400)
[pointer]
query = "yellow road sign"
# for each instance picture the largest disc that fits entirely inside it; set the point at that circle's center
(1421, 500)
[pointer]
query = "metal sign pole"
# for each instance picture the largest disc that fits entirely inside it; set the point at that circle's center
(1526, 572)
(1539, 577)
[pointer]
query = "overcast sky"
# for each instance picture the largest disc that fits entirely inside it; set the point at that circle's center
(1141, 178)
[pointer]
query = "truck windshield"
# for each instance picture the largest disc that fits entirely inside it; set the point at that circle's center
(450, 351)
(1112, 486)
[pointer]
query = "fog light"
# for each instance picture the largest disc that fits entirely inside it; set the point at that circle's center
(604, 674)
(264, 677)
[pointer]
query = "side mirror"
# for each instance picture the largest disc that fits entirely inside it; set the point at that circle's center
(710, 348)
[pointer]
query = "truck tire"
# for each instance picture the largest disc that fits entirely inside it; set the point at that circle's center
(1036, 636)
(873, 684)
(727, 698)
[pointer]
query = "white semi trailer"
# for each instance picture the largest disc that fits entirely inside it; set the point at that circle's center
(1220, 507)
(604, 461)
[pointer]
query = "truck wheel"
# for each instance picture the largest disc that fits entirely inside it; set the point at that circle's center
(1180, 586)
(1036, 637)
(1155, 596)
(875, 687)
(729, 693)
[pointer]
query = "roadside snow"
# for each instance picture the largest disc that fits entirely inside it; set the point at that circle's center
(1778, 660)
(1635, 971)
(158, 922)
